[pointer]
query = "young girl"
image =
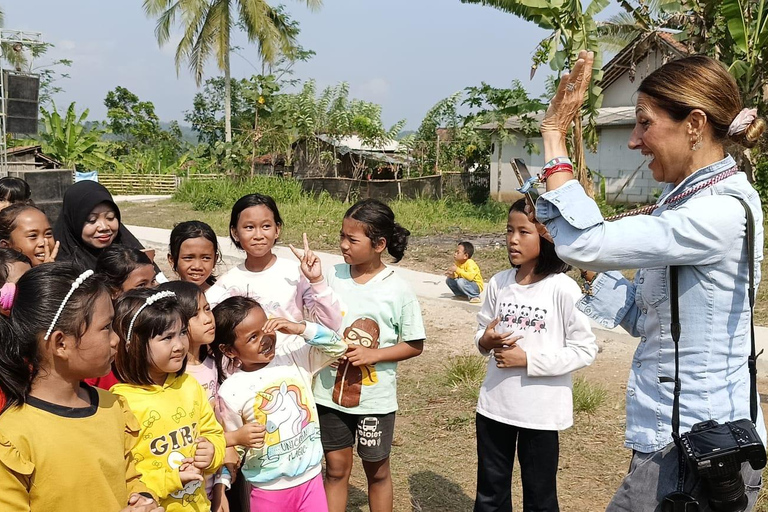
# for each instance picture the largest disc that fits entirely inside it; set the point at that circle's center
(359, 398)
(13, 190)
(125, 268)
(64, 446)
(273, 386)
(26, 229)
(530, 324)
(282, 287)
(194, 251)
(180, 439)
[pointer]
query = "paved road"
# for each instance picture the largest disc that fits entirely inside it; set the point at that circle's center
(425, 285)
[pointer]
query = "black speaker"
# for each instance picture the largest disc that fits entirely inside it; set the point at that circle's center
(21, 102)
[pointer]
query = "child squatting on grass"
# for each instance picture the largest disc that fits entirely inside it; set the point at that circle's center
(464, 278)
(530, 326)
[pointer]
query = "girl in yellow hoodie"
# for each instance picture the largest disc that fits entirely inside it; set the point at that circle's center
(180, 440)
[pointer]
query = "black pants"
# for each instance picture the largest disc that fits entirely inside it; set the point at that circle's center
(538, 452)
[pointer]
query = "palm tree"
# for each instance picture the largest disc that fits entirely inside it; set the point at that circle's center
(207, 27)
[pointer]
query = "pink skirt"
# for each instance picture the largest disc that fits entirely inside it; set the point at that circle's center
(307, 497)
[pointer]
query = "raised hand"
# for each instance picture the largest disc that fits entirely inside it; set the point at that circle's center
(310, 264)
(139, 503)
(491, 339)
(203, 453)
(566, 104)
(283, 325)
(49, 255)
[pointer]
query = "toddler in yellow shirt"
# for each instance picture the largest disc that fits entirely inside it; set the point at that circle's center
(464, 278)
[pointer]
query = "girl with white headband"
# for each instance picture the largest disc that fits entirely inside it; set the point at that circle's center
(60, 333)
(180, 440)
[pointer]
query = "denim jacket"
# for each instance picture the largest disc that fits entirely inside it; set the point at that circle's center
(704, 234)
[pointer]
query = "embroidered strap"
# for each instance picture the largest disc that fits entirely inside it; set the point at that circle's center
(647, 210)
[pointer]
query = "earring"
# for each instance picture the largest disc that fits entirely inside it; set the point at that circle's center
(696, 145)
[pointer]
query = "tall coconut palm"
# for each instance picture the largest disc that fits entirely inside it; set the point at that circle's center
(207, 29)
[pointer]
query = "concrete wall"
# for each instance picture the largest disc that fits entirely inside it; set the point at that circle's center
(613, 160)
(622, 92)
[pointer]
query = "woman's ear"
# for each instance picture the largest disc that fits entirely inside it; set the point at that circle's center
(697, 121)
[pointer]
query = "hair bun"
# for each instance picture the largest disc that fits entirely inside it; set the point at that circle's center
(753, 132)
(398, 243)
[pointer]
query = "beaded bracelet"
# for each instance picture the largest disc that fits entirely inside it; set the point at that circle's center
(556, 161)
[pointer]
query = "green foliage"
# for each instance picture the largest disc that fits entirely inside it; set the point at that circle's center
(222, 194)
(463, 145)
(761, 178)
(69, 141)
(140, 145)
(465, 375)
(587, 396)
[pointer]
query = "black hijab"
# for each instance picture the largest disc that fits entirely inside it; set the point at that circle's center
(79, 201)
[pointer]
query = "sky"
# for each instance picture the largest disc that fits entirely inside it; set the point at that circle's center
(402, 54)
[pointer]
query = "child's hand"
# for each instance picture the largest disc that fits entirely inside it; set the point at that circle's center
(361, 356)
(310, 264)
(283, 325)
(219, 501)
(49, 255)
(139, 503)
(188, 472)
(510, 357)
(491, 339)
(203, 453)
(251, 435)
(453, 269)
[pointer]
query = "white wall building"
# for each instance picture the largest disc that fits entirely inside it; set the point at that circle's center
(627, 177)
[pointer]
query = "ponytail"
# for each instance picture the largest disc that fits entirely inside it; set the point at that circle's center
(378, 221)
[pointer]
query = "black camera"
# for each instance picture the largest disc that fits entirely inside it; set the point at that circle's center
(716, 453)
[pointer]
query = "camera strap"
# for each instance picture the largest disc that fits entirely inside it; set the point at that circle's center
(675, 329)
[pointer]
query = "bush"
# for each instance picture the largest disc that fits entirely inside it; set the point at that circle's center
(587, 397)
(221, 194)
(465, 374)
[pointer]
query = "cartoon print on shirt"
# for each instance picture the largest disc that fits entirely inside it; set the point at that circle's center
(351, 379)
(288, 419)
(522, 317)
(187, 493)
(537, 322)
(525, 317)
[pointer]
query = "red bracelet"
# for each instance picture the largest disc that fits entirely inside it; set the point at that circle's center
(554, 169)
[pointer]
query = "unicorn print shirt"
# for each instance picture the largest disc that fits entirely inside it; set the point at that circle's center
(279, 396)
(557, 340)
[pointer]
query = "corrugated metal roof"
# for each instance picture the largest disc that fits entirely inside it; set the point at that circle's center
(355, 143)
(606, 116)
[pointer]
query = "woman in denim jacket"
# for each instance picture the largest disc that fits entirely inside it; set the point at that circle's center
(686, 112)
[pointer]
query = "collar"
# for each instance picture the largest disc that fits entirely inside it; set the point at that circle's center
(697, 177)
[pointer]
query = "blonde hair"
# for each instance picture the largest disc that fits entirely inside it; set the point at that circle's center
(700, 82)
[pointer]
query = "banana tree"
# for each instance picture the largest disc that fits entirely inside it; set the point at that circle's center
(68, 140)
(573, 29)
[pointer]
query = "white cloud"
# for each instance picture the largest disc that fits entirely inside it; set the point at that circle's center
(66, 44)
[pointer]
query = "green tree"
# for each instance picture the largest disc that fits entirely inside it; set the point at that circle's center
(69, 141)
(573, 29)
(207, 29)
(141, 144)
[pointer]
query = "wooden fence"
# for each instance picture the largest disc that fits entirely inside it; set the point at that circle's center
(124, 184)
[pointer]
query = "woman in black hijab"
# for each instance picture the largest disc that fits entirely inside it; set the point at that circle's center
(89, 223)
